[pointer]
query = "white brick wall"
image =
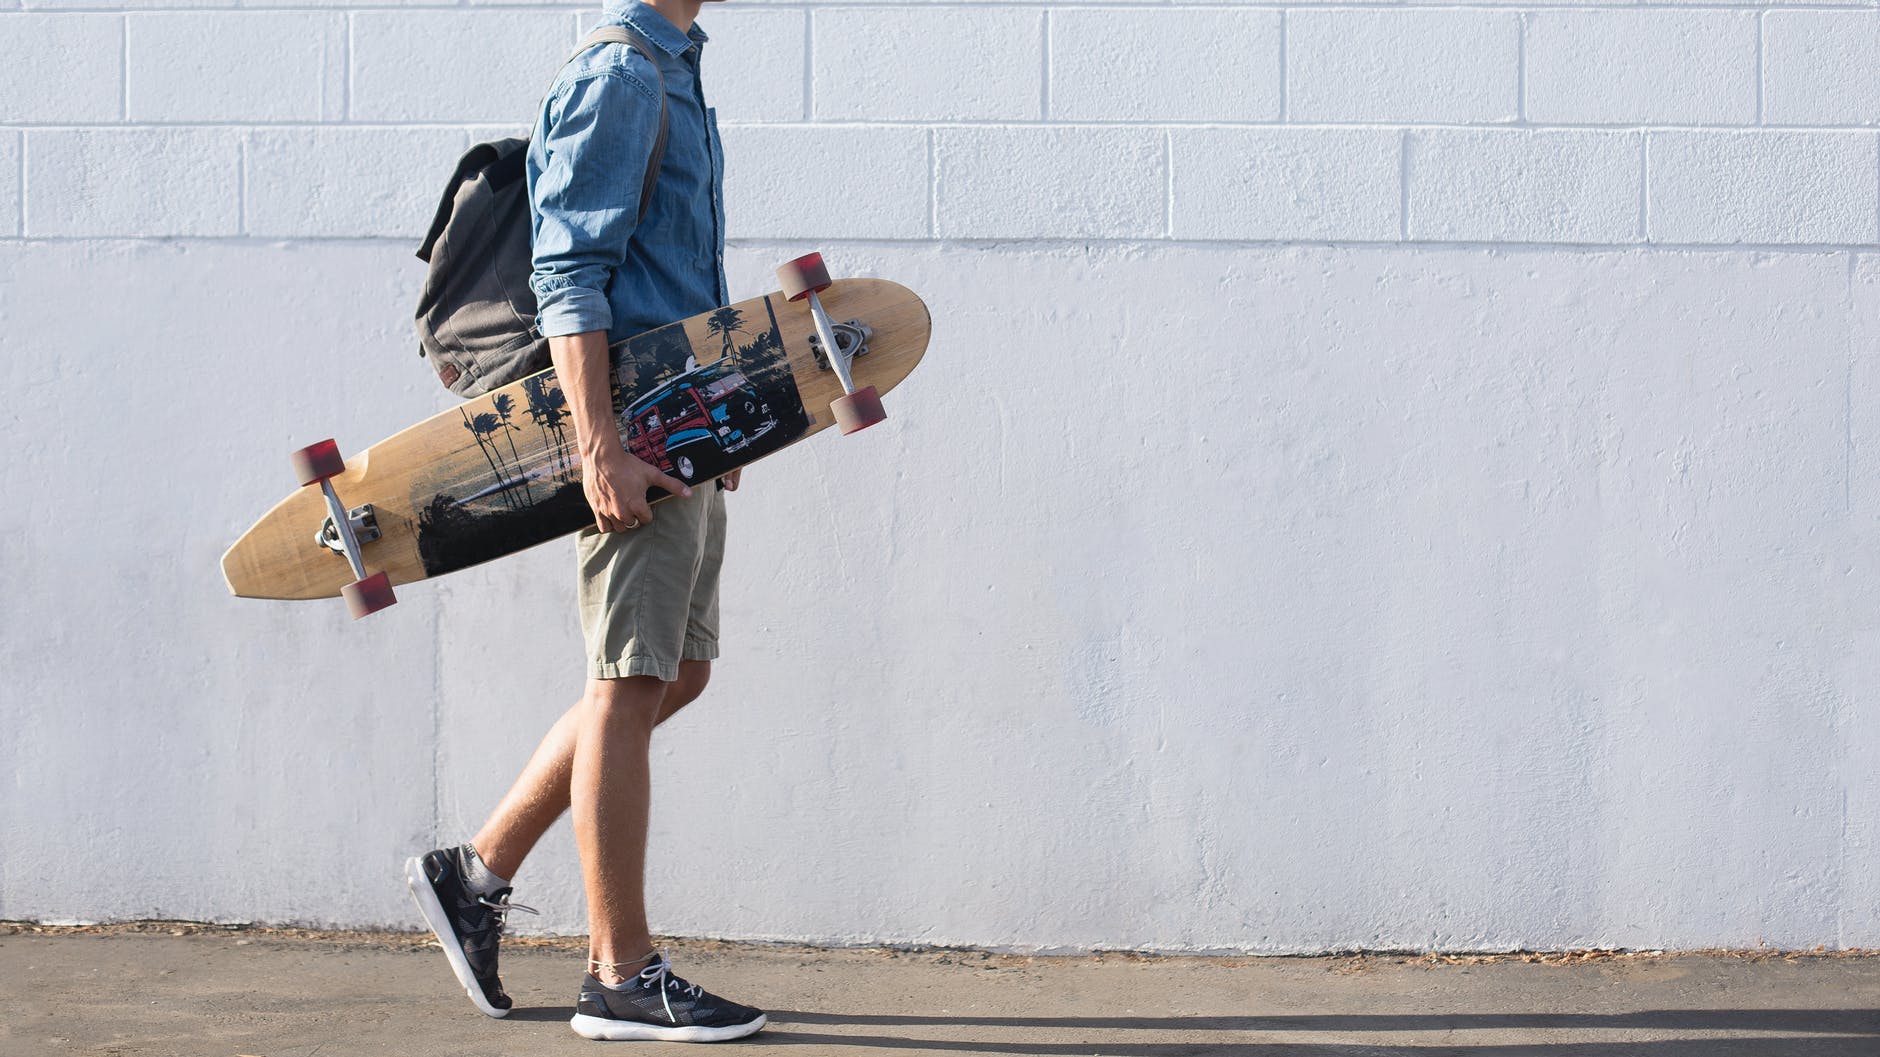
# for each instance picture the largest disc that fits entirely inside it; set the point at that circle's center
(1763, 187)
(1537, 421)
(40, 83)
(1015, 105)
(454, 66)
(343, 182)
(1426, 66)
(1641, 67)
(814, 188)
(134, 183)
(1507, 185)
(1820, 67)
(10, 162)
(1050, 183)
(235, 66)
(1275, 184)
(1148, 65)
(968, 64)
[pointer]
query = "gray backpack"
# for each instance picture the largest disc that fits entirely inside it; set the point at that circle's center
(476, 318)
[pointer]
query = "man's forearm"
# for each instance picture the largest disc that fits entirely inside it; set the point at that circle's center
(584, 368)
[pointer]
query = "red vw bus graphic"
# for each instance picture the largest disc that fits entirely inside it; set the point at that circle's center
(688, 426)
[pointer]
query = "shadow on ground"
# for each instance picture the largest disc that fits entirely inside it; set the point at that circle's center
(1790, 1033)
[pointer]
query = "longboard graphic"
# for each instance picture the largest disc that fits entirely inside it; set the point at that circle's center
(500, 473)
(521, 484)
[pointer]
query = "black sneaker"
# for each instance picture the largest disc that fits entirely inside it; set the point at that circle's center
(468, 926)
(659, 1006)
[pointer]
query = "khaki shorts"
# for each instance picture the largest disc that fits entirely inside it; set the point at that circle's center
(649, 596)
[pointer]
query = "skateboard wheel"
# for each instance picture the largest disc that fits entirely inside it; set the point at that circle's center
(317, 462)
(803, 276)
(368, 596)
(858, 410)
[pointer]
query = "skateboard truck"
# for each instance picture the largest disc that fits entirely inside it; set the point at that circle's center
(851, 337)
(319, 464)
(363, 520)
(855, 410)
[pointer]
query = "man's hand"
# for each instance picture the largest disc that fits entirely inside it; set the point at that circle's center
(616, 483)
(731, 479)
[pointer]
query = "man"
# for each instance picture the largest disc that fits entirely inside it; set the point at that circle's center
(649, 582)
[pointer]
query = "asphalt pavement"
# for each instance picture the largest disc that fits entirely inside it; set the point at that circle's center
(155, 990)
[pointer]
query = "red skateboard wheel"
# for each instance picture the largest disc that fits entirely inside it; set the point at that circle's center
(368, 596)
(317, 462)
(803, 276)
(858, 410)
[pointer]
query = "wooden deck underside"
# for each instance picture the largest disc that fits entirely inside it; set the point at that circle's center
(495, 448)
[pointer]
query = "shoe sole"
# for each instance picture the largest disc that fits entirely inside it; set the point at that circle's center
(601, 1029)
(426, 897)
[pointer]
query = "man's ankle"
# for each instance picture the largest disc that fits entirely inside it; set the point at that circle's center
(612, 970)
(477, 875)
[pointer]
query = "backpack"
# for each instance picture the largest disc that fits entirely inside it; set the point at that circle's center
(476, 317)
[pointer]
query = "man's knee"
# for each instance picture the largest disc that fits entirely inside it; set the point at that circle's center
(630, 703)
(693, 675)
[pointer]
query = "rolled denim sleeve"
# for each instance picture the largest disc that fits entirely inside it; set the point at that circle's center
(593, 128)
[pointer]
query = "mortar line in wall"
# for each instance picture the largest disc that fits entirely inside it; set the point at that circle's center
(987, 124)
(994, 5)
(933, 184)
(124, 67)
(1284, 102)
(1168, 184)
(345, 68)
(998, 5)
(1403, 186)
(1644, 186)
(1761, 20)
(1520, 71)
(1847, 406)
(809, 65)
(1847, 507)
(1044, 66)
(1840, 914)
(1120, 242)
(346, 111)
(437, 724)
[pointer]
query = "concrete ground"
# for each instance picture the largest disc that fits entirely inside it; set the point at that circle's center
(208, 991)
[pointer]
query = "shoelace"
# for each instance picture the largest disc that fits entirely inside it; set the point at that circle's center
(659, 975)
(502, 911)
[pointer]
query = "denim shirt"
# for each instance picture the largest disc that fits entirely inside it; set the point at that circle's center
(594, 268)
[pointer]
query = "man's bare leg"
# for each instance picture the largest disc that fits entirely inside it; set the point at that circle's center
(541, 793)
(611, 787)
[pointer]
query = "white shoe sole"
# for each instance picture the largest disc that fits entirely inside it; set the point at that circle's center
(602, 1029)
(426, 898)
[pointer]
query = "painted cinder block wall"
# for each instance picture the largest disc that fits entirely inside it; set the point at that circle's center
(1386, 476)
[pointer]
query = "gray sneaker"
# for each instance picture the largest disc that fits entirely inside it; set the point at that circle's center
(468, 927)
(658, 1006)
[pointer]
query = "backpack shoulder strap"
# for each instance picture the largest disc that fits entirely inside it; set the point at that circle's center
(623, 35)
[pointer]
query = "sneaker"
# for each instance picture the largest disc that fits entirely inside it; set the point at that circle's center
(468, 926)
(659, 1006)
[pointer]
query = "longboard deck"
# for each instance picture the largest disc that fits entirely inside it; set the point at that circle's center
(499, 473)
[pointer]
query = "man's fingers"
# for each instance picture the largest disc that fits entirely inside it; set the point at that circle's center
(672, 485)
(638, 511)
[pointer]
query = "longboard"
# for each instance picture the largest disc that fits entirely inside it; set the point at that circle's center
(498, 474)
